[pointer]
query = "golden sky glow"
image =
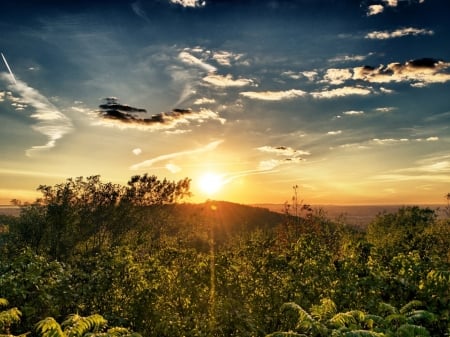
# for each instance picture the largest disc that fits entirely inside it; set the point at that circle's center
(347, 100)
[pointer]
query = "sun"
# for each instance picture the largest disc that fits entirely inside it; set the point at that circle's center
(210, 183)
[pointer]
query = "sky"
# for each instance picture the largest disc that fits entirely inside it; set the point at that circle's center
(346, 99)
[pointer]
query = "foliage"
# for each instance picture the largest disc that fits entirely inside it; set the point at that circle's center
(184, 270)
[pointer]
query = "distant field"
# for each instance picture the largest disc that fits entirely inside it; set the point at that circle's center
(9, 210)
(351, 214)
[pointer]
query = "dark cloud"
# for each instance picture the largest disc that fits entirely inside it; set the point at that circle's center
(112, 109)
(125, 115)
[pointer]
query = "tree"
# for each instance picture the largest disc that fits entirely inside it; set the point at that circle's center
(8, 317)
(78, 326)
(85, 215)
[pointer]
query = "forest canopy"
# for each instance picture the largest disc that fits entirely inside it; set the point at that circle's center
(91, 258)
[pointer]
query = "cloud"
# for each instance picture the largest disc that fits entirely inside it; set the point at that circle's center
(387, 141)
(350, 58)
(391, 3)
(425, 71)
(283, 151)
(435, 169)
(190, 59)
(137, 151)
(385, 109)
(137, 9)
(224, 58)
(353, 113)
(337, 76)
(148, 163)
(383, 35)
(226, 81)
(51, 122)
(173, 168)
(342, 92)
(113, 113)
(271, 164)
(310, 75)
(334, 133)
(189, 3)
(374, 10)
(204, 100)
(291, 156)
(274, 95)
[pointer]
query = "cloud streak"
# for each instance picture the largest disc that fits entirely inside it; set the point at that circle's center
(274, 95)
(384, 35)
(148, 163)
(50, 121)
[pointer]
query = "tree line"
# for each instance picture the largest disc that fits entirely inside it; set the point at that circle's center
(90, 258)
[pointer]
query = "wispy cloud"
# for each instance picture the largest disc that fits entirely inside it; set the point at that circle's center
(290, 155)
(334, 133)
(204, 100)
(383, 35)
(226, 81)
(342, 92)
(274, 95)
(149, 162)
(51, 122)
(190, 59)
(283, 151)
(350, 58)
(353, 113)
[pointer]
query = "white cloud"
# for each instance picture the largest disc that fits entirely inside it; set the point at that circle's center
(374, 10)
(337, 76)
(334, 133)
(385, 109)
(349, 58)
(386, 141)
(189, 3)
(187, 58)
(274, 95)
(173, 168)
(353, 113)
(422, 71)
(283, 151)
(148, 163)
(310, 75)
(226, 81)
(225, 58)
(432, 139)
(137, 151)
(383, 35)
(341, 92)
(51, 122)
(391, 3)
(204, 100)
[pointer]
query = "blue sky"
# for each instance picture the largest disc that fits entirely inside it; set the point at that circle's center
(346, 99)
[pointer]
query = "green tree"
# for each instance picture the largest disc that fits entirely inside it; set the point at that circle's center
(78, 326)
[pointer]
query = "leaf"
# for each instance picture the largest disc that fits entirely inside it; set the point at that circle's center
(363, 333)
(49, 327)
(407, 330)
(421, 316)
(410, 305)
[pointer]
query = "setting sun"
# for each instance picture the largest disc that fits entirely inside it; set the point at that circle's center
(210, 183)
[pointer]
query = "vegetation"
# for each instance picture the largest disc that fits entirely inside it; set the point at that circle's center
(112, 260)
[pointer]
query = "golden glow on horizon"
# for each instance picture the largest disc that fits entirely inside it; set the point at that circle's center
(210, 183)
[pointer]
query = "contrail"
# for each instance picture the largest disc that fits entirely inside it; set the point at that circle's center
(9, 69)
